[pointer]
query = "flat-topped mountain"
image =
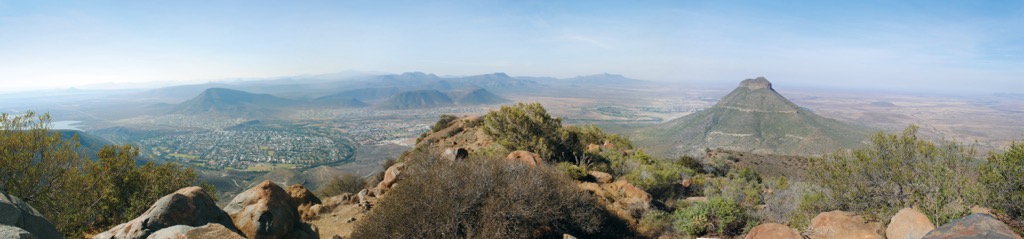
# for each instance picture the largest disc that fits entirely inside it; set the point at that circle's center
(233, 102)
(753, 117)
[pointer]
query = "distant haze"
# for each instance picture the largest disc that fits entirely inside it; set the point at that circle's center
(926, 46)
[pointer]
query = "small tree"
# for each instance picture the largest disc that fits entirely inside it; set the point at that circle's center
(525, 127)
(1003, 177)
(899, 170)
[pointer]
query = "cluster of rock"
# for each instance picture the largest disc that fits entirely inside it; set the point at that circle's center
(908, 223)
(20, 220)
(264, 211)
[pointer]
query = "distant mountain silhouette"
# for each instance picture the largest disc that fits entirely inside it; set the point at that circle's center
(232, 102)
(418, 99)
(363, 94)
(479, 96)
(753, 117)
(604, 79)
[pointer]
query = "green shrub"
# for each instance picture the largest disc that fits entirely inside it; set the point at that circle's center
(1003, 178)
(525, 127)
(718, 216)
(75, 194)
(897, 171)
(486, 198)
(573, 171)
(655, 223)
(443, 122)
(345, 183)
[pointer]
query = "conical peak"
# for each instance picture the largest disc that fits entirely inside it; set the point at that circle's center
(757, 83)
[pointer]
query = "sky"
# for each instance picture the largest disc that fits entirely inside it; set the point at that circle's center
(940, 46)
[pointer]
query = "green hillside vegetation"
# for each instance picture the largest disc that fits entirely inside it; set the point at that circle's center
(418, 99)
(76, 194)
(233, 102)
(754, 118)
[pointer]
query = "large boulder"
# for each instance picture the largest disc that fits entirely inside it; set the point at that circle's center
(842, 225)
(264, 211)
(390, 178)
(10, 232)
(773, 231)
(974, 226)
(189, 206)
(211, 230)
(17, 214)
(601, 177)
(525, 157)
(908, 223)
(622, 198)
(303, 200)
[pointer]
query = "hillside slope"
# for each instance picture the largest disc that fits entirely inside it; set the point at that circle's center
(418, 99)
(756, 118)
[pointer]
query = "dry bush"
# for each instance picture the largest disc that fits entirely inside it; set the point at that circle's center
(486, 198)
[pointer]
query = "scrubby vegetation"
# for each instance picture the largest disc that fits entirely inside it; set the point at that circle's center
(485, 198)
(345, 183)
(76, 194)
(900, 170)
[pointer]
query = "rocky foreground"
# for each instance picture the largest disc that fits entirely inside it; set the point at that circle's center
(270, 211)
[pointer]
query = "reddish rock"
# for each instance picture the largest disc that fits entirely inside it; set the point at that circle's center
(264, 212)
(608, 145)
(973, 226)
(600, 177)
(189, 206)
(842, 225)
(686, 183)
(525, 157)
(980, 209)
(593, 148)
(773, 231)
(908, 223)
(302, 199)
(390, 178)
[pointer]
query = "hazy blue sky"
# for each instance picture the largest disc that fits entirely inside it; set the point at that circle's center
(933, 45)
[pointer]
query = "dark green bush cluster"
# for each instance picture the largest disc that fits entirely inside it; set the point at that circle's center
(1002, 176)
(443, 122)
(76, 194)
(718, 216)
(486, 198)
(529, 127)
(899, 170)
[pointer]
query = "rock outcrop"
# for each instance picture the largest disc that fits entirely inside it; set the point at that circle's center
(212, 230)
(303, 200)
(189, 206)
(600, 177)
(20, 220)
(390, 178)
(842, 225)
(973, 226)
(773, 231)
(908, 223)
(14, 233)
(264, 212)
(525, 157)
(622, 198)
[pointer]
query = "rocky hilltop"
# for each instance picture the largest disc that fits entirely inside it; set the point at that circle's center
(755, 118)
